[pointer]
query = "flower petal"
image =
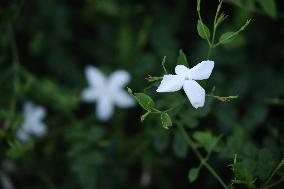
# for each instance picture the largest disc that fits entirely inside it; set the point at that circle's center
(170, 83)
(39, 129)
(182, 70)
(123, 99)
(39, 112)
(34, 112)
(104, 108)
(202, 70)
(22, 135)
(119, 79)
(195, 93)
(89, 94)
(95, 77)
(6, 182)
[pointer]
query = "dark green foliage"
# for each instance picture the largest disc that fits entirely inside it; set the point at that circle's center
(46, 45)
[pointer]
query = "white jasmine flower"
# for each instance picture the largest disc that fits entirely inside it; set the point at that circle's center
(8, 165)
(6, 182)
(107, 92)
(185, 78)
(32, 124)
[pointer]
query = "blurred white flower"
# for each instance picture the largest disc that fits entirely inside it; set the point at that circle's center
(185, 78)
(107, 92)
(8, 165)
(6, 182)
(32, 124)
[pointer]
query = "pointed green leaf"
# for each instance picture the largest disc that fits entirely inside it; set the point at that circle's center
(166, 120)
(180, 145)
(145, 101)
(193, 174)
(206, 139)
(269, 7)
(227, 37)
(182, 60)
(161, 140)
(242, 173)
(203, 30)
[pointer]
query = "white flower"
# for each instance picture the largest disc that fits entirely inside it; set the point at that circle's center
(6, 182)
(32, 124)
(185, 78)
(8, 167)
(106, 91)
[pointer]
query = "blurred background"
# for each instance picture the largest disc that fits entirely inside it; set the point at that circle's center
(45, 46)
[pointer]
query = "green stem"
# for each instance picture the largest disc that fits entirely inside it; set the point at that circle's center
(200, 157)
(211, 44)
(274, 171)
(274, 184)
(209, 51)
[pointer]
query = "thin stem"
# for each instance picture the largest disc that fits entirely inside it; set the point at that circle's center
(274, 171)
(211, 44)
(200, 157)
(274, 184)
(209, 51)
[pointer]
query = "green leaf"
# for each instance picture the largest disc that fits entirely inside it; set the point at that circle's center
(61, 97)
(203, 30)
(269, 7)
(227, 37)
(206, 140)
(17, 149)
(243, 174)
(161, 140)
(166, 120)
(180, 145)
(145, 101)
(182, 60)
(193, 174)
(2, 133)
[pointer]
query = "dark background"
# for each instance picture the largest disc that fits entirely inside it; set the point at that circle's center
(55, 41)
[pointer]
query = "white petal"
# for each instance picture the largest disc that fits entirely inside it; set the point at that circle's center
(118, 79)
(123, 99)
(34, 112)
(170, 83)
(95, 77)
(6, 182)
(22, 135)
(28, 107)
(104, 108)
(202, 70)
(89, 94)
(39, 112)
(39, 129)
(182, 70)
(195, 93)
